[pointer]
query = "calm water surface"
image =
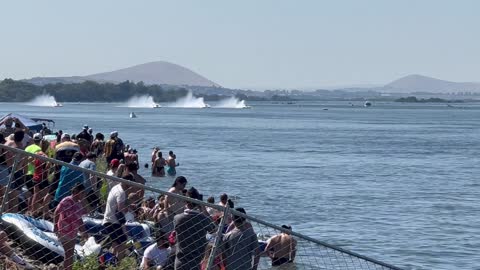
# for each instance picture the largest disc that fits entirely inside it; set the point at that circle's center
(395, 182)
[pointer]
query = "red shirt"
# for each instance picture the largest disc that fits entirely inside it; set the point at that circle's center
(40, 172)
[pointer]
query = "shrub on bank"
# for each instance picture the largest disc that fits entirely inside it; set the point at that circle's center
(91, 262)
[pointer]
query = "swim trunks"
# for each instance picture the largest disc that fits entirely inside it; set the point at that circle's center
(280, 261)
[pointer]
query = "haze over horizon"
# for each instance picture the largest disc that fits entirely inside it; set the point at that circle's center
(249, 44)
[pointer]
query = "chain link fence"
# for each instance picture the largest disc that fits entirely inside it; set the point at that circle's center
(59, 214)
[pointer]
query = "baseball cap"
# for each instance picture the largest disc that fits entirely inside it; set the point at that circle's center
(115, 163)
(37, 137)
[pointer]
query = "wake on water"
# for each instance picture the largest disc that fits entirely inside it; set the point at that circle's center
(189, 101)
(44, 100)
(232, 102)
(144, 101)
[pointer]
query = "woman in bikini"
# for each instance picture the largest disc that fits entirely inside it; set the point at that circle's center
(171, 164)
(158, 168)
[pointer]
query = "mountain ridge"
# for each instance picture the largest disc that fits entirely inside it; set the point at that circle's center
(166, 73)
(156, 72)
(420, 83)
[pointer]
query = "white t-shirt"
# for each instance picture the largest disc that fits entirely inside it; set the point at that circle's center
(117, 195)
(159, 257)
(111, 183)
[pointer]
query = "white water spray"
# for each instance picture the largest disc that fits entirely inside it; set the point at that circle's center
(232, 102)
(44, 100)
(144, 101)
(189, 101)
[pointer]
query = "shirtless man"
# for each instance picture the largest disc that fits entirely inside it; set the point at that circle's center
(154, 154)
(19, 175)
(130, 156)
(281, 248)
(139, 193)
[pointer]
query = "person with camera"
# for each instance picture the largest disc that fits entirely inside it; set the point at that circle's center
(10, 128)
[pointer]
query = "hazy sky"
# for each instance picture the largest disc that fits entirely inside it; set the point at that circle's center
(248, 43)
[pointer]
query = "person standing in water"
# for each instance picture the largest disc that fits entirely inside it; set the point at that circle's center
(240, 246)
(156, 149)
(158, 168)
(171, 164)
(282, 248)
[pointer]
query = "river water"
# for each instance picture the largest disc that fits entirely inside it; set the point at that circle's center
(395, 182)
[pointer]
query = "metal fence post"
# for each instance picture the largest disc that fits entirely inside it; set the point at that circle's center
(218, 238)
(10, 180)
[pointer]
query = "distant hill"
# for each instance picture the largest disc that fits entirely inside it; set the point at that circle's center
(165, 73)
(159, 72)
(419, 83)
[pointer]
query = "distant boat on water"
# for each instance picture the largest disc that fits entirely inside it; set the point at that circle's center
(367, 104)
(133, 115)
(156, 106)
(56, 104)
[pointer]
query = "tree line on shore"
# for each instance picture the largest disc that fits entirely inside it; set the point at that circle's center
(413, 99)
(90, 91)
